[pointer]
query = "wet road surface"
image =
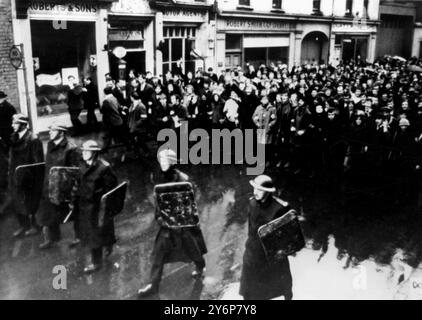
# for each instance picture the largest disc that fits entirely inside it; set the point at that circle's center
(357, 248)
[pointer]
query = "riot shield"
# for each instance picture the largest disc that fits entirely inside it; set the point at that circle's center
(281, 237)
(61, 182)
(112, 203)
(176, 204)
(30, 177)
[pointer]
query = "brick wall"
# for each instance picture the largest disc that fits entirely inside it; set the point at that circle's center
(8, 77)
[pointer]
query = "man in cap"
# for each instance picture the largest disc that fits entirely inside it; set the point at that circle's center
(261, 280)
(97, 178)
(173, 245)
(26, 148)
(60, 153)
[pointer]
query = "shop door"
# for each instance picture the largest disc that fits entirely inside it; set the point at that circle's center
(348, 49)
(57, 55)
(233, 60)
(256, 56)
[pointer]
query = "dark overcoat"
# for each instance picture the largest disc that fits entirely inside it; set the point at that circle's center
(96, 180)
(261, 280)
(25, 193)
(64, 154)
(180, 245)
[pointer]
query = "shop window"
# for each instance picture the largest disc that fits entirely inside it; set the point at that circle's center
(349, 8)
(59, 54)
(178, 44)
(233, 42)
(277, 4)
(316, 7)
(365, 8)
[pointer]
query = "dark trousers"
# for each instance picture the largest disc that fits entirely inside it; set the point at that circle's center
(74, 118)
(24, 221)
(91, 117)
(158, 266)
(97, 256)
(118, 133)
(138, 140)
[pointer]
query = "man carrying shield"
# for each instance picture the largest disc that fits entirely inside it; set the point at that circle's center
(97, 178)
(25, 149)
(173, 245)
(60, 153)
(261, 280)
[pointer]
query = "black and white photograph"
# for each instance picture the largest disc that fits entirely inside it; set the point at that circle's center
(211, 150)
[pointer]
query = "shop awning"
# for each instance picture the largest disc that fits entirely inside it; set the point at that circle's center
(265, 42)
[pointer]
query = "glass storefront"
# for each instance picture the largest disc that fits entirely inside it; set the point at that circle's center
(352, 47)
(178, 44)
(59, 52)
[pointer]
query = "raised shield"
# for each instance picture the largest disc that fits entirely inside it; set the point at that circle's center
(112, 203)
(281, 237)
(61, 182)
(176, 204)
(30, 177)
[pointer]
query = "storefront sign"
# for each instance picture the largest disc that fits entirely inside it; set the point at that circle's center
(252, 25)
(50, 7)
(125, 35)
(353, 28)
(183, 15)
(16, 57)
(130, 6)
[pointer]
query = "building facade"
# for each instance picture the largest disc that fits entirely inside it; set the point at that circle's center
(294, 32)
(91, 38)
(8, 77)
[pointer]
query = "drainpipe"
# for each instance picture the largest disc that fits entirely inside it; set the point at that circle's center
(330, 33)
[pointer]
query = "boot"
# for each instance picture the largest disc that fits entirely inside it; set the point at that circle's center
(47, 244)
(147, 291)
(19, 232)
(198, 273)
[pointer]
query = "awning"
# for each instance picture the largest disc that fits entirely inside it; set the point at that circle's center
(265, 41)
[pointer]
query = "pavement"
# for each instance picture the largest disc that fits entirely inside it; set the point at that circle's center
(357, 248)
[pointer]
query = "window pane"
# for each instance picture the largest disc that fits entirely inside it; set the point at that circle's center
(189, 44)
(277, 4)
(176, 49)
(244, 2)
(166, 50)
(233, 42)
(190, 66)
(165, 68)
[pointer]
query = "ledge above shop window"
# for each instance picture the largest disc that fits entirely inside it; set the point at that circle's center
(280, 11)
(317, 13)
(248, 8)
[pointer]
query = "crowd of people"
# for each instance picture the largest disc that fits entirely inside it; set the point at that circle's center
(355, 119)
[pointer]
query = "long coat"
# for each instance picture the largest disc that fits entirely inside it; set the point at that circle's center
(265, 118)
(64, 154)
(24, 151)
(182, 245)
(261, 280)
(96, 180)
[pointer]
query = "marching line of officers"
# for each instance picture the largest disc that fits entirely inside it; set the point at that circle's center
(33, 208)
(34, 211)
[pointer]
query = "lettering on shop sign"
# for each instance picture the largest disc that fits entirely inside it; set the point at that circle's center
(355, 27)
(238, 24)
(51, 7)
(170, 14)
(129, 6)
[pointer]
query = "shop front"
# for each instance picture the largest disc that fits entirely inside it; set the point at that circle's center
(352, 41)
(185, 37)
(131, 26)
(253, 41)
(59, 41)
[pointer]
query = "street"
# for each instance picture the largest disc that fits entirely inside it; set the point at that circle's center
(356, 248)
